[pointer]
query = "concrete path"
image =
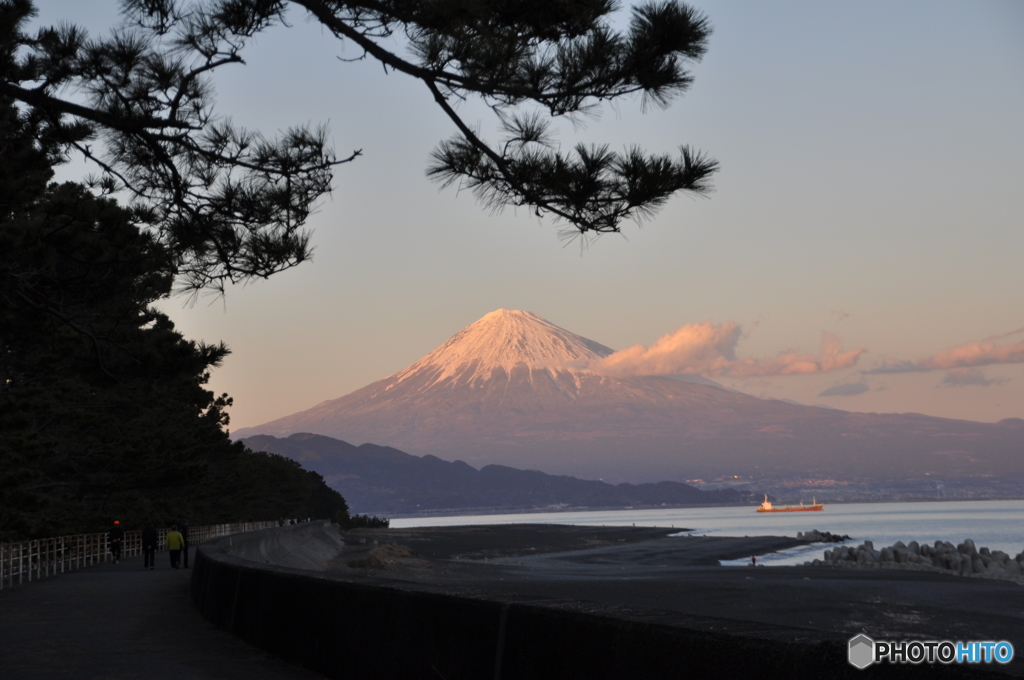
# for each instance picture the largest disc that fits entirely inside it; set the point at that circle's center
(118, 621)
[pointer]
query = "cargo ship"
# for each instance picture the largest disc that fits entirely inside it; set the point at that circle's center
(768, 507)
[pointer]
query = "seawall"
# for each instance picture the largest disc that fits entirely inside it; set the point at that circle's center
(343, 627)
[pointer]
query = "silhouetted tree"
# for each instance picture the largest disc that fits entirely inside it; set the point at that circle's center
(229, 204)
(103, 409)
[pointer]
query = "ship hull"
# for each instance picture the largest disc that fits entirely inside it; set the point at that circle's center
(796, 508)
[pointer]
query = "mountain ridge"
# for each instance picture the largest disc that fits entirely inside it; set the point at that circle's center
(383, 480)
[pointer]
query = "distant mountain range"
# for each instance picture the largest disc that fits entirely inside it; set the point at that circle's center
(514, 389)
(382, 480)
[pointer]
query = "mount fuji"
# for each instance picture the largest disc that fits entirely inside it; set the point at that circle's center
(517, 390)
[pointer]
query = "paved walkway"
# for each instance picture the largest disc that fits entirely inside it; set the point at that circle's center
(118, 621)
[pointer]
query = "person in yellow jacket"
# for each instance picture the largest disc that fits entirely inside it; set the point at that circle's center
(175, 542)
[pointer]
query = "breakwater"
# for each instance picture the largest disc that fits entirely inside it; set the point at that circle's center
(964, 559)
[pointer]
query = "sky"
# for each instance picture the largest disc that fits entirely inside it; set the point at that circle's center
(862, 248)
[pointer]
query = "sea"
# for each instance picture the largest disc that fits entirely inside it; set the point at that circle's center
(997, 525)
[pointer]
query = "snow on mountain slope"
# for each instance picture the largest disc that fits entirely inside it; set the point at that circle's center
(515, 389)
(505, 339)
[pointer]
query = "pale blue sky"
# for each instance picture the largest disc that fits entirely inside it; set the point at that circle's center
(872, 158)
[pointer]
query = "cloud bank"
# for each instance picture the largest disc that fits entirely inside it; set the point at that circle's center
(710, 350)
(968, 355)
(966, 377)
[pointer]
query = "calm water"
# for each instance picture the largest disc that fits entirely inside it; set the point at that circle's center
(994, 524)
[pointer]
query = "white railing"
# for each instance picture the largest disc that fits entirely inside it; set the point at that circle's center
(25, 561)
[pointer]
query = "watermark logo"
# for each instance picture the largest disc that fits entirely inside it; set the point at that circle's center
(863, 651)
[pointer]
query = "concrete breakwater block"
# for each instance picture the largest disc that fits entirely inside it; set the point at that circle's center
(964, 559)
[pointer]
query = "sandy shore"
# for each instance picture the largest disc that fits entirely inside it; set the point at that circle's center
(652, 575)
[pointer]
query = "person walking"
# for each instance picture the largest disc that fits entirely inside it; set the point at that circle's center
(149, 540)
(175, 541)
(183, 528)
(116, 540)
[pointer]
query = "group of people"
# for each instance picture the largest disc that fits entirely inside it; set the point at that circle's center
(176, 542)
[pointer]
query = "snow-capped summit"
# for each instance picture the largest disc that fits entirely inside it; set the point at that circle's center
(515, 389)
(505, 340)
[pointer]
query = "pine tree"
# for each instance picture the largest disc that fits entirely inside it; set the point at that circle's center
(230, 204)
(103, 407)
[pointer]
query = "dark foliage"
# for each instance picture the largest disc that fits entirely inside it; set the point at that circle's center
(245, 484)
(103, 410)
(363, 522)
(229, 204)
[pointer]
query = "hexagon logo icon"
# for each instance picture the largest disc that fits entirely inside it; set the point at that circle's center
(861, 651)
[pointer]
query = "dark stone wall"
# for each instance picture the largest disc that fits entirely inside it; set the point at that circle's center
(344, 629)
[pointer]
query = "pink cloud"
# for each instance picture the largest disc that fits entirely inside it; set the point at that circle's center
(977, 354)
(710, 350)
(971, 354)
